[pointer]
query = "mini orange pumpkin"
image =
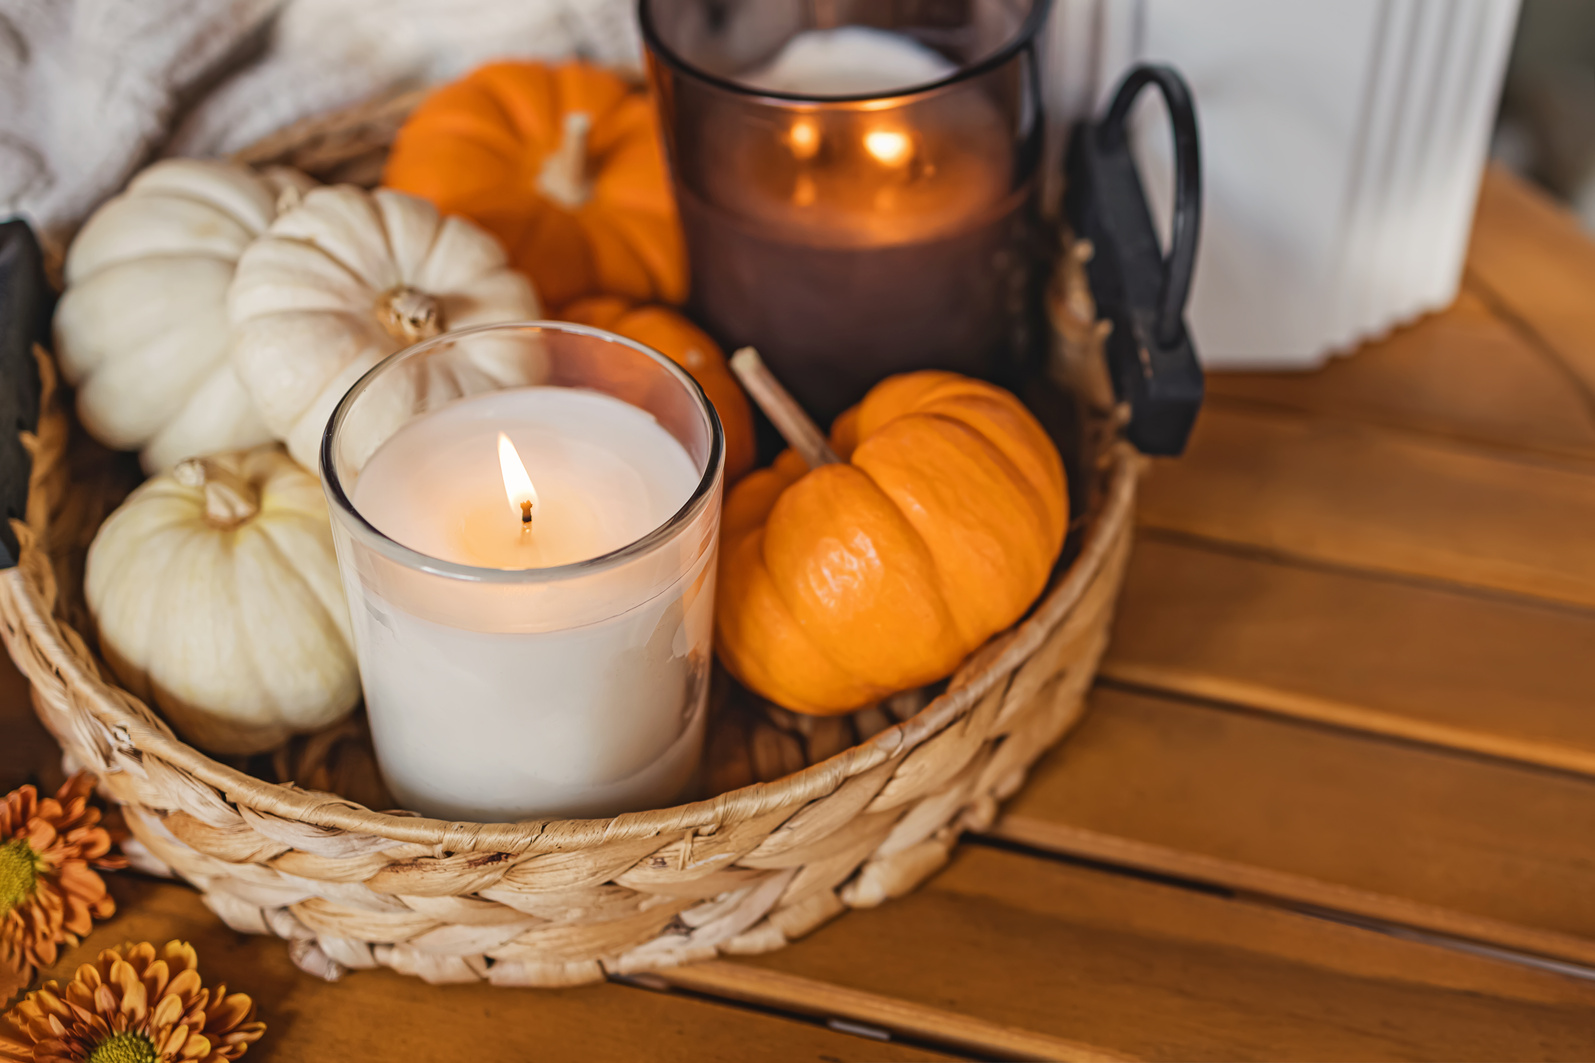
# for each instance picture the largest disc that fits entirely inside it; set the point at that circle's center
(684, 343)
(846, 583)
(564, 165)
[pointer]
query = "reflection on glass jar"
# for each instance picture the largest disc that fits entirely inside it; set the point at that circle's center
(856, 181)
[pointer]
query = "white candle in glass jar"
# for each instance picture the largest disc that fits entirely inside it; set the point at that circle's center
(509, 699)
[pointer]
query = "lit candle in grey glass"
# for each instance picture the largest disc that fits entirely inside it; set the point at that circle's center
(856, 181)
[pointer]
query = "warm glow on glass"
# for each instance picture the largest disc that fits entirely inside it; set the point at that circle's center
(804, 138)
(517, 485)
(890, 146)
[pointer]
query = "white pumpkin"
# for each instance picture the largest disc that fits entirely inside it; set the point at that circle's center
(216, 594)
(142, 328)
(346, 279)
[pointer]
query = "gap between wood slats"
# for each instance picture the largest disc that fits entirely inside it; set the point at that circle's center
(1424, 937)
(1373, 499)
(1518, 694)
(1219, 690)
(1190, 972)
(1296, 892)
(1475, 372)
(931, 1026)
(1285, 556)
(1519, 820)
(1532, 253)
(1401, 931)
(790, 1007)
(1536, 340)
(1571, 458)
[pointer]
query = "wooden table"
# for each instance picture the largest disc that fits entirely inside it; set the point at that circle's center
(1335, 798)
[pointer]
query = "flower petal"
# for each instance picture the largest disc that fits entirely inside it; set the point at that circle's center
(135, 999)
(141, 956)
(77, 879)
(226, 1014)
(180, 956)
(40, 834)
(156, 975)
(167, 1011)
(185, 985)
(47, 1001)
(175, 1042)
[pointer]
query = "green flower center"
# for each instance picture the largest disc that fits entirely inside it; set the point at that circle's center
(19, 873)
(124, 1048)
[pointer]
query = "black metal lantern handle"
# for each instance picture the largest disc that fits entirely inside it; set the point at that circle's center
(1140, 291)
(1111, 136)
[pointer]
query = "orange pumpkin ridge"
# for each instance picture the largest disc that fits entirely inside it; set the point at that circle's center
(563, 164)
(846, 583)
(672, 335)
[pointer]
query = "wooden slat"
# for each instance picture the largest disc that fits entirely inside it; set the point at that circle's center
(1483, 674)
(1478, 848)
(1465, 372)
(775, 988)
(1119, 965)
(372, 1015)
(1370, 498)
(1530, 254)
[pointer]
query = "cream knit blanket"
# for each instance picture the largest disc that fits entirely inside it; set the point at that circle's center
(90, 90)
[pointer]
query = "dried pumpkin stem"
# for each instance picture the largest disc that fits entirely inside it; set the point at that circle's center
(289, 195)
(409, 314)
(230, 500)
(563, 177)
(795, 426)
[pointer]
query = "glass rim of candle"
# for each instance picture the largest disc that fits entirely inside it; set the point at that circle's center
(1022, 38)
(370, 535)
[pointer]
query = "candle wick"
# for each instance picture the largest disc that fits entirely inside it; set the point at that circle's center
(526, 515)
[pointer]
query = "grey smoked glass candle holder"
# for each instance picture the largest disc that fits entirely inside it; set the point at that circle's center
(852, 237)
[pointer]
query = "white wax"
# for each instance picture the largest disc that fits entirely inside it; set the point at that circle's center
(912, 171)
(504, 700)
(849, 61)
(606, 474)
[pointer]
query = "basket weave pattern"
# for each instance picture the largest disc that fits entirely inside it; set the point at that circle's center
(558, 902)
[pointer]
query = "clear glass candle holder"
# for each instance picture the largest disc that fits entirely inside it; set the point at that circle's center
(499, 686)
(851, 235)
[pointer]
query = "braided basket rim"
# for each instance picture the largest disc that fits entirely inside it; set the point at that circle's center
(982, 671)
(133, 728)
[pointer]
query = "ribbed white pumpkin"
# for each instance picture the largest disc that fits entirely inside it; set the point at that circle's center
(346, 279)
(142, 329)
(215, 591)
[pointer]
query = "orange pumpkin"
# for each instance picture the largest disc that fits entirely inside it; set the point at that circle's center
(684, 343)
(846, 583)
(564, 165)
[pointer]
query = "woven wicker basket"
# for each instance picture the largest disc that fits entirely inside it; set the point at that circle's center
(849, 812)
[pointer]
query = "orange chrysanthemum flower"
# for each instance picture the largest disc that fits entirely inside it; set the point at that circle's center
(49, 893)
(131, 1006)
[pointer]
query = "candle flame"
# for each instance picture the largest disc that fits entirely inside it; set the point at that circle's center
(517, 485)
(804, 138)
(890, 146)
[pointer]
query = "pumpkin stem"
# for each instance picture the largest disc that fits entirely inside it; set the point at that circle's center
(409, 314)
(564, 175)
(795, 426)
(230, 499)
(289, 197)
